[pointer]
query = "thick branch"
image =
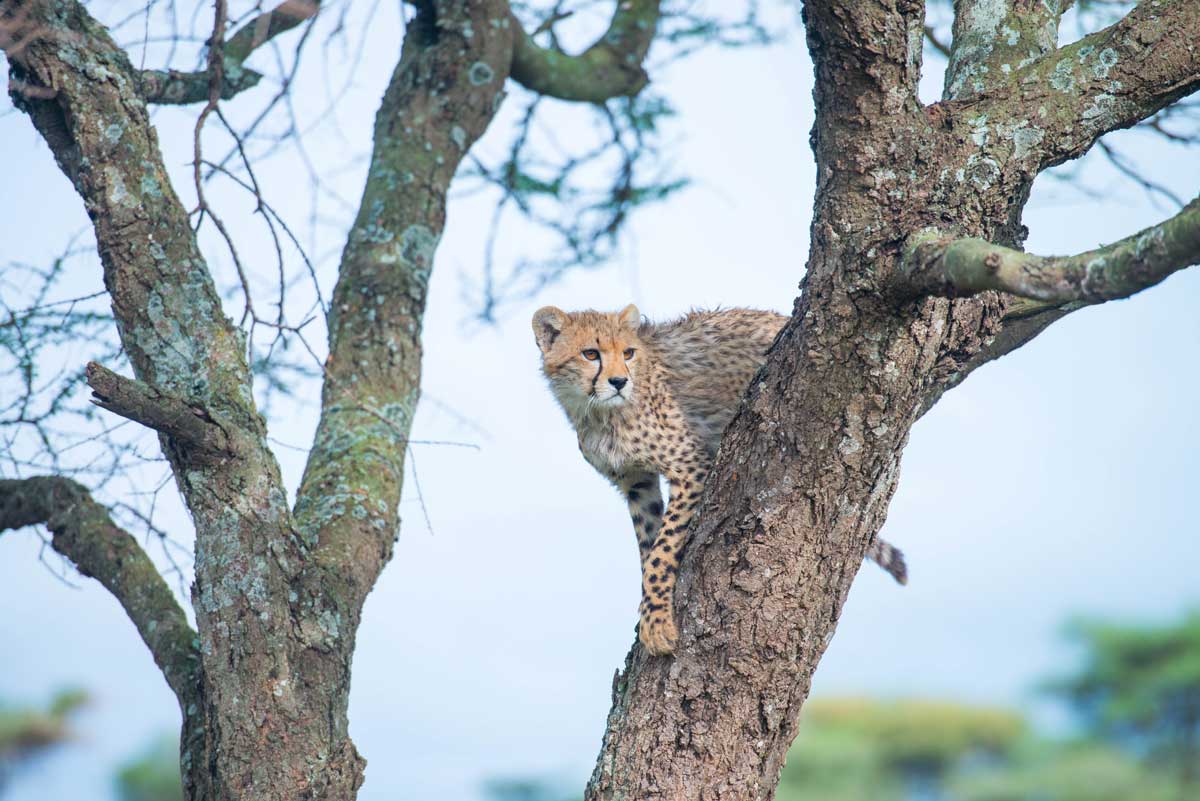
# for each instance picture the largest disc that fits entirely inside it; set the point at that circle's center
(867, 60)
(83, 531)
(987, 45)
(172, 87)
(936, 265)
(441, 97)
(872, 51)
(1111, 79)
(611, 67)
(186, 423)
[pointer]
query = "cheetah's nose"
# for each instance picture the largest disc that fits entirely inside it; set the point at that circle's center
(618, 382)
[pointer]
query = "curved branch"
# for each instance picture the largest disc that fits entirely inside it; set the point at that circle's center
(83, 531)
(172, 87)
(611, 67)
(938, 265)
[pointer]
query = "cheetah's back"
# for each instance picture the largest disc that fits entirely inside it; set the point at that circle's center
(708, 358)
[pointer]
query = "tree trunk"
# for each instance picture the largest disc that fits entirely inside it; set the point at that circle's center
(808, 467)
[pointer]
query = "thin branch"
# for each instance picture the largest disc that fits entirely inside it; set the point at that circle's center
(611, 67)
(1152, 188)
(83, 531)
(935, 42)
(172, 87)
(939, 265)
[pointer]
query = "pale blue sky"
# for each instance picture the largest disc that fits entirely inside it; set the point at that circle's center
(1057, 481)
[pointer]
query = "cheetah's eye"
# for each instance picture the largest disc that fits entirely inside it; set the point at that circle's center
(591, 354)
(629, 354)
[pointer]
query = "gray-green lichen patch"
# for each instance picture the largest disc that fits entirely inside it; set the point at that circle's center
(1063, 77)
(151, 187)
(480, 73)
(1105, 61)
(417, 247)
(1026, 138)
(979, 134)
(118, 195)
(1101, 114)
(982, 171)
(1149, 241)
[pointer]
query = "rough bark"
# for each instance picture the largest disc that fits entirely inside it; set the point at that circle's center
(808, 467)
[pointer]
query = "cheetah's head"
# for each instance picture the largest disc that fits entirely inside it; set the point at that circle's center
(590, 358)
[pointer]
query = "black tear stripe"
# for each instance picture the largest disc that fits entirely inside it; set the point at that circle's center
(599, 366)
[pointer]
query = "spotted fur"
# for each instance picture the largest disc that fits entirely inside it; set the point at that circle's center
(650, 400)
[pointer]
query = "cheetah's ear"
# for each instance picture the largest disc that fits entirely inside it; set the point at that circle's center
(548, 323)
(630, 317)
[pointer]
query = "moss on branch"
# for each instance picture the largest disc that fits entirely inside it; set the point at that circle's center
(610, 67)
(940, 265)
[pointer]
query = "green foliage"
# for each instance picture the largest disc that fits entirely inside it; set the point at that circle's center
(832, 764)
(26, 732)
(1140, 686)
(918, 736)
(153, 775)
(1082, 772)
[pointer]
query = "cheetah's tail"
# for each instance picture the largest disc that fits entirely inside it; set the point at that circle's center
(889, 558)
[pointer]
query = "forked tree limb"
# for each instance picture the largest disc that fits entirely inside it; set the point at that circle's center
(939, 265)
(83, 531)
(610, 67)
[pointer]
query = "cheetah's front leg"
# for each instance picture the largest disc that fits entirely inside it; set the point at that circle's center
(641, 492)
(656, 626)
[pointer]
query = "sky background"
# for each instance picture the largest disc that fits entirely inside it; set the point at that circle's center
(1055, 482)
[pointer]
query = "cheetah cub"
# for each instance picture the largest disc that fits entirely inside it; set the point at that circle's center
(653, 399)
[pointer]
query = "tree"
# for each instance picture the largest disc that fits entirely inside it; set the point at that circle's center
(1141, 685)
(914, 279)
